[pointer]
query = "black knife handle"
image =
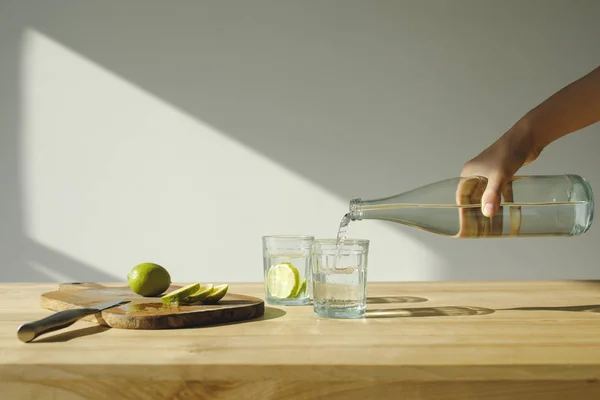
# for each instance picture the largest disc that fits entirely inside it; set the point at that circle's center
(29, 331)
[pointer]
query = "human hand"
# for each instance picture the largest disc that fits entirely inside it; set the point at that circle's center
(498, 164)
(488, 178)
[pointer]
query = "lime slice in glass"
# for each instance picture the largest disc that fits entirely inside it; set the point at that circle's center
(301, 289)
(283, 280)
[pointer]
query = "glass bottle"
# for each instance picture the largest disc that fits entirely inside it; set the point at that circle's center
(535, 205)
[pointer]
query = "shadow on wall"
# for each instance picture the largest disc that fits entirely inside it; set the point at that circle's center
(23, 259)
(11, 211)
(319, 80)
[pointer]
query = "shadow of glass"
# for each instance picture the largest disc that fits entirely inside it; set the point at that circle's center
(70, 335)
(595, 308)
(395, 299)
(444, 311)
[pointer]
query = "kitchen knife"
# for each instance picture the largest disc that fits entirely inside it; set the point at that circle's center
(62, 319)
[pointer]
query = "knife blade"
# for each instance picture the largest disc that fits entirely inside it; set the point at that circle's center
(62, 319)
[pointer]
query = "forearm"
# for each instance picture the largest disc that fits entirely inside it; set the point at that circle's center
(572, 108)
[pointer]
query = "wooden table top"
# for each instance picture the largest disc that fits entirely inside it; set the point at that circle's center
(456, 335)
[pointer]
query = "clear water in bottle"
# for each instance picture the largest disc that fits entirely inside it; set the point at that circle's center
(468, 221)
(531, 206)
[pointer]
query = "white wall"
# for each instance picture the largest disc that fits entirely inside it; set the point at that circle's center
(181, 132)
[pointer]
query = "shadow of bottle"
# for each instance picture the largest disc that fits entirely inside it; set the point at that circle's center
(395, 299)
(595, 308)
(459, 311)
(443, 311)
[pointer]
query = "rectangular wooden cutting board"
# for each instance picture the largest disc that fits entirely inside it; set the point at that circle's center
(149, 312)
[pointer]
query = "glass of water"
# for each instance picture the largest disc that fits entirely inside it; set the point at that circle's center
(287, 260)
(339, 277)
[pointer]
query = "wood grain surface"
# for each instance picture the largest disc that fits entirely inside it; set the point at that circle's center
(425, 340)
(149, 312)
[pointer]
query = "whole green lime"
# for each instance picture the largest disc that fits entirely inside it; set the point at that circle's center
(149, 279)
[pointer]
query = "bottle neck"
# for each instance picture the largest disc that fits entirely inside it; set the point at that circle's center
(356, 211)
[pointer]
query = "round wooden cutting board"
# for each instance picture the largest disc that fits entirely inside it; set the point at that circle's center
(149, 312)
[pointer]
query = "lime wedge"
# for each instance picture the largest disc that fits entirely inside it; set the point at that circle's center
(283, 280)
(301, 289)
(176, 296)
(201, 294)
(216, 294)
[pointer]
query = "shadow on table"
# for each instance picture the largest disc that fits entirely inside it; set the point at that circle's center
(395, 299)
(443, 311)
(595, 308)
(271, 313)
(459, 311)
(74, 334)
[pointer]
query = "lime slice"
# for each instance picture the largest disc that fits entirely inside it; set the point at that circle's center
(201, 294)
(178, 295)
(283, 280)
(301, 289)
(217, 294)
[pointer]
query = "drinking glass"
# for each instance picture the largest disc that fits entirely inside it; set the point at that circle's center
(339, 277)
(287, 260)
